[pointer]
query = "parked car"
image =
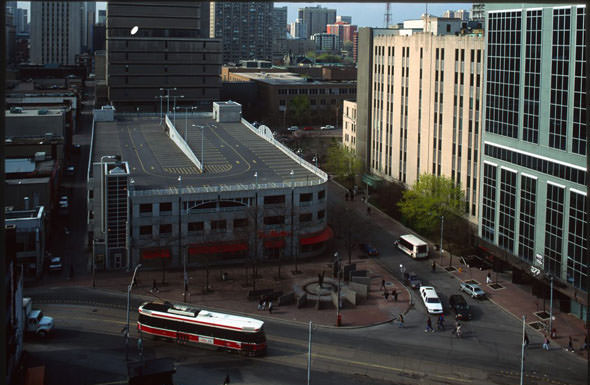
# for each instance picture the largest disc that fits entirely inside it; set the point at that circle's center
(64, 205)
(370, 250)
(76, 148)
(413, 281)
(70, 170)
(293, 128)
(328, 127)
(307, 128)
(55, 264)
(473, 290)
(460, 307)
(431, 300)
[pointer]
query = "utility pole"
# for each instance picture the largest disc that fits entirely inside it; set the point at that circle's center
(522, 351)
(309, 356)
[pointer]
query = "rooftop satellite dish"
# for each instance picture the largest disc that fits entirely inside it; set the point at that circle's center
(134, 30)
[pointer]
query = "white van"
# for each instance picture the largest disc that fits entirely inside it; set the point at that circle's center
(413, 246)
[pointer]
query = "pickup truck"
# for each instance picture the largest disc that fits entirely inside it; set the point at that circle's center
(36, 322)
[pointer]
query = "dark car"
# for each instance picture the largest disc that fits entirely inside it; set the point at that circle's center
(370, 250)
(460, 307)
(413, 281)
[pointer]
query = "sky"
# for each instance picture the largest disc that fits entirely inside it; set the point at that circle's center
(363, 14)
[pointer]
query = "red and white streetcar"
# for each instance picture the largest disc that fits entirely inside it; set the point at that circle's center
(185, 324)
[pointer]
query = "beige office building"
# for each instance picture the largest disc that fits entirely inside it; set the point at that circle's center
(425, 109)
(349, 125)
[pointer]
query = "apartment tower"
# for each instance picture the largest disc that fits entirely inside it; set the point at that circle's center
(315, 19)
(56, 32)
(245, 29)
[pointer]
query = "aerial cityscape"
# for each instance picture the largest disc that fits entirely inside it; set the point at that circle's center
(286, 193)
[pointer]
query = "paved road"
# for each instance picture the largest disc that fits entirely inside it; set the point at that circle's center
(486, 355)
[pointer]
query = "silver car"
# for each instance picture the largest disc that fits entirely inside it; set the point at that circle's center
(473, 290)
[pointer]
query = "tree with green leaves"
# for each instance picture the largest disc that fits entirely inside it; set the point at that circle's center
(430, 198)
(328, 58)
(342, 163)
(298, 109)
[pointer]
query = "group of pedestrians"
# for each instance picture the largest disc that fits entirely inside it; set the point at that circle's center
(386, 293)
(265, 303)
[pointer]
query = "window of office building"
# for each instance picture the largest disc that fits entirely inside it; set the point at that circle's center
(559, 78)
(526, 233)
(307, 217)
(274, 220)
(503, 77)
(507, 209)
(577, 261)
(579, 124)
(488, 219)
(532, 77)
(145, 208)
(554, 229)
(145, 230)
(165, 207)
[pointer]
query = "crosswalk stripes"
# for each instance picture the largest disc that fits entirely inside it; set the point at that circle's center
(217, 168)
(182, 170)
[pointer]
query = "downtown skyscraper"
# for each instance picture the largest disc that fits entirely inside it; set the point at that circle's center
(534, 200)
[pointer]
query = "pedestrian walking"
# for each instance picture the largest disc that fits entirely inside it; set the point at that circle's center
(155, 287)
(570, 345)
(394, 294)
(457, 328)
(553, 333)
(386, 295)
(368, 210)
(429, 326)
(440, 323)
(526, 340)
(585, 346)
(226, 380)
(264, 305)
(401, 320)
(546, 343)
(270, 306)
(260, 303)
(382, 284)
(433, 266)
(488, 279)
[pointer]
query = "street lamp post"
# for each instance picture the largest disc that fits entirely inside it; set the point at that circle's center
(180, 234)
(168, 97)
(186, 120)
(339, 272)
(442, 221)
(128, 301)
(255, 256)
(551, 305)
(174, 107)
(293, 252)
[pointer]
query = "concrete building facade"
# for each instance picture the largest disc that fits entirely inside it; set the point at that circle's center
(279, 33)
(425, 107)
(315, 19)
(56, 32)
(534, 201)
(326, 42)
(344, 31)
(170, 50)
(349, 122)
(245, 29)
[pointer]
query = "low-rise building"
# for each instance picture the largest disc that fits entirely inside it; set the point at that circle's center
(30, 226)
(210, 189)
(349, 126)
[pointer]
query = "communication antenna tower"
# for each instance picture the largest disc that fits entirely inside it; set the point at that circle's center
(387, 14)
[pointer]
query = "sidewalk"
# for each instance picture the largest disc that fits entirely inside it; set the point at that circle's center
(514, 299)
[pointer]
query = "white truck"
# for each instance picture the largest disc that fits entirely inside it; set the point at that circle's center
(36, 322)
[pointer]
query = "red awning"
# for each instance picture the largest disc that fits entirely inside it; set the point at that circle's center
(317, 238)
(155, 253)
(274, 243)
(218, 248)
